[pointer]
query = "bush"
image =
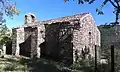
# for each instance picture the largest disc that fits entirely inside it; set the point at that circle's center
(1, 70)
(23, 61)
(10, 67)
(24, 68)
(83, 66)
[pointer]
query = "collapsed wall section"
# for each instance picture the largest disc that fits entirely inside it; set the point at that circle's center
(26, 40)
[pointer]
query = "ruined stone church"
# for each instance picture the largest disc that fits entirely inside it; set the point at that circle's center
(60, 39)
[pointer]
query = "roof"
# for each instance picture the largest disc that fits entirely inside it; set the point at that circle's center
(62, 19)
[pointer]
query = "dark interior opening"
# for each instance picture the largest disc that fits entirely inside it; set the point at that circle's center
(32, 16)
(25, 46)
(29, 46)
(9, 47)
(89, 33)
(58, 47)
(42, 47)
(25, 16)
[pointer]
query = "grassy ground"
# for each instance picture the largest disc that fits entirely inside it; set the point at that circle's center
(12, 64)
(17, 64)
(22, 64)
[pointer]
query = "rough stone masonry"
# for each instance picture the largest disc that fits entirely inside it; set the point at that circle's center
(62, 39)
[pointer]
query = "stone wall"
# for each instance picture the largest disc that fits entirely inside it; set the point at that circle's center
(29, 46)
(59, 38)
(58, 43)
(87, 36)
(14, 41)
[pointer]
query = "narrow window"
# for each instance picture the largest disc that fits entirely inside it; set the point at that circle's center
(89, 33)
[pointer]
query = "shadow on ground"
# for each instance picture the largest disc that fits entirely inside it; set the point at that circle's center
(41, 66)
(29, 65)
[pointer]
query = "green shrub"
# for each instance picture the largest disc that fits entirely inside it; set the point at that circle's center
(1, 70)
(10, 67)
(24, 68)
(23, 61)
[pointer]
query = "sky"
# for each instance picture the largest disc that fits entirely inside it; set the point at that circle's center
(51, 9)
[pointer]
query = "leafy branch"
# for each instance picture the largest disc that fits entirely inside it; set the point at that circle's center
(114, 3)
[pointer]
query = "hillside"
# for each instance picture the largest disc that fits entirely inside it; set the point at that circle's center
(109, 36)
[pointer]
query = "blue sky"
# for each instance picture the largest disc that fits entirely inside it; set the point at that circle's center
(50, 9)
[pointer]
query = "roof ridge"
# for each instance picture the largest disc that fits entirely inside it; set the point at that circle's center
(65, 17)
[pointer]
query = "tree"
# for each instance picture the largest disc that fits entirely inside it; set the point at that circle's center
(5, 35)
(114, 3)
(7, 7)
